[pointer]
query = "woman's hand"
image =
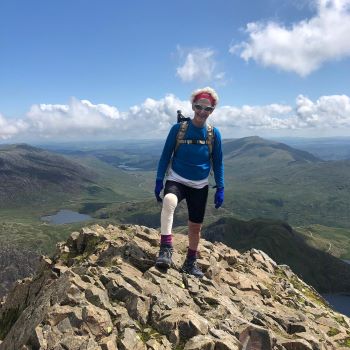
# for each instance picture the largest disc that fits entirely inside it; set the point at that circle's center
(158, 188)
(219, 197)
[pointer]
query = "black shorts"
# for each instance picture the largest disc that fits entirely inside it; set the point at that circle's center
(196, 199)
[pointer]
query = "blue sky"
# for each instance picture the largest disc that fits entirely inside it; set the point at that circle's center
(105, 69)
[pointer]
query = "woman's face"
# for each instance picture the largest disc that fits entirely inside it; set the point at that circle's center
(202, 109)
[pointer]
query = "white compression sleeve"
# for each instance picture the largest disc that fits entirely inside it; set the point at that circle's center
(167, 215)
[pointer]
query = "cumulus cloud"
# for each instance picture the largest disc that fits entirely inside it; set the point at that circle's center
(199, 65)
(10, 128)
(81, 119)
(253, 117)
(328, 112)
(79, 116)
(306, 45)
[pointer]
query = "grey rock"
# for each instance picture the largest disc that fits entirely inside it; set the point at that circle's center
(109, 343)
(101, 291)
(297, 344)
(200, 342)
(131, 341)
(257, 338)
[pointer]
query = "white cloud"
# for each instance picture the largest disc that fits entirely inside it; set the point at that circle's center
(328, 112)
(78, 117)
(306, 45)
(199, 65)
(329, 115)
(9, 128)
(253, 117)
(81, 119)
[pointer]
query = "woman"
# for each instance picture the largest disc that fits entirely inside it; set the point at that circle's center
(191, 158)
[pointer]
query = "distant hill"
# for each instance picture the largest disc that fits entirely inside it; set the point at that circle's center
(255, 146)
(263, 178)
(28, 173)
(270, 179)
(286, 246)
(326, 148)
(139, 154)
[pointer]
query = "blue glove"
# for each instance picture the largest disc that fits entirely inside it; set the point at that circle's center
(157, 189)
(219, 197)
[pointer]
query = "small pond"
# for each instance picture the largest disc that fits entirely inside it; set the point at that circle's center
(65, 216)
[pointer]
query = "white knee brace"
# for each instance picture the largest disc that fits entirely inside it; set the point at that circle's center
(167, 215)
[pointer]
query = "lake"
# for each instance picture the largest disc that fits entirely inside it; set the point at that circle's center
(339, 302)
(127, 168)
(65, 216)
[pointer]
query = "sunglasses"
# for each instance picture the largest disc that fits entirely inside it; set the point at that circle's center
(205, 108)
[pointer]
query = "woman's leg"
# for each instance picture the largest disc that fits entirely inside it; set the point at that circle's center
(196, 203)
(194, 234)
(173, 194)
(167, 216)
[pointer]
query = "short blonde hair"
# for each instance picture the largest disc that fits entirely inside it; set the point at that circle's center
(207, 90)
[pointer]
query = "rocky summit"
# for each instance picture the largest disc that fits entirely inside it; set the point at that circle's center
(102, 291)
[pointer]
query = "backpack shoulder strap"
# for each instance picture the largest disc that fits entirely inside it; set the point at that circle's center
(210, 142)
(210, 138)
(181, 134)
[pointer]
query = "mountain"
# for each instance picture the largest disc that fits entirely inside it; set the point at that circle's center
(258, 147)
(28, 173)
(272, 180)
(102, 291)
(323, 271)
(263, 178)
(140, 154)
(327, 148)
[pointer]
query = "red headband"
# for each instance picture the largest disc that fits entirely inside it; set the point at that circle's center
(204, 95)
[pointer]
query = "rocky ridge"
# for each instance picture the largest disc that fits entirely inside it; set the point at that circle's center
(101, 291)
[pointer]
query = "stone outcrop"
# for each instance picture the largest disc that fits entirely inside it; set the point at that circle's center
(101, 291)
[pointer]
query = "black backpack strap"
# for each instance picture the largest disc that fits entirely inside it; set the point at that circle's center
(180, 135)
(210, 139)
(210, 143)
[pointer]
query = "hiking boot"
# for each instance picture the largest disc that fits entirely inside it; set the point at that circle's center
(190, 267)
(164, 258)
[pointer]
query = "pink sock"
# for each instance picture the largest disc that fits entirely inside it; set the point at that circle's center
(166, 240)
(191, 254)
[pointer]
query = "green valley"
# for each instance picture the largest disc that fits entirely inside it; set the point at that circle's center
(265, 181)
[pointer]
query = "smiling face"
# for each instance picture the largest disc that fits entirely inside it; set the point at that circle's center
(202, 109)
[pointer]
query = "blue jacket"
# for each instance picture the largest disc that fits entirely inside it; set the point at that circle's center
(191, 161)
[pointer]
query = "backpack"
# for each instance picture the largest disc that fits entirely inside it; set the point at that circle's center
(181, 118)
(208, 141)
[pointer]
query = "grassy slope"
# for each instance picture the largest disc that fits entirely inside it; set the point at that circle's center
(335, 241)
(263, 179)
(272, 184)
(260, 182)
(126, 185)
(20, 224)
